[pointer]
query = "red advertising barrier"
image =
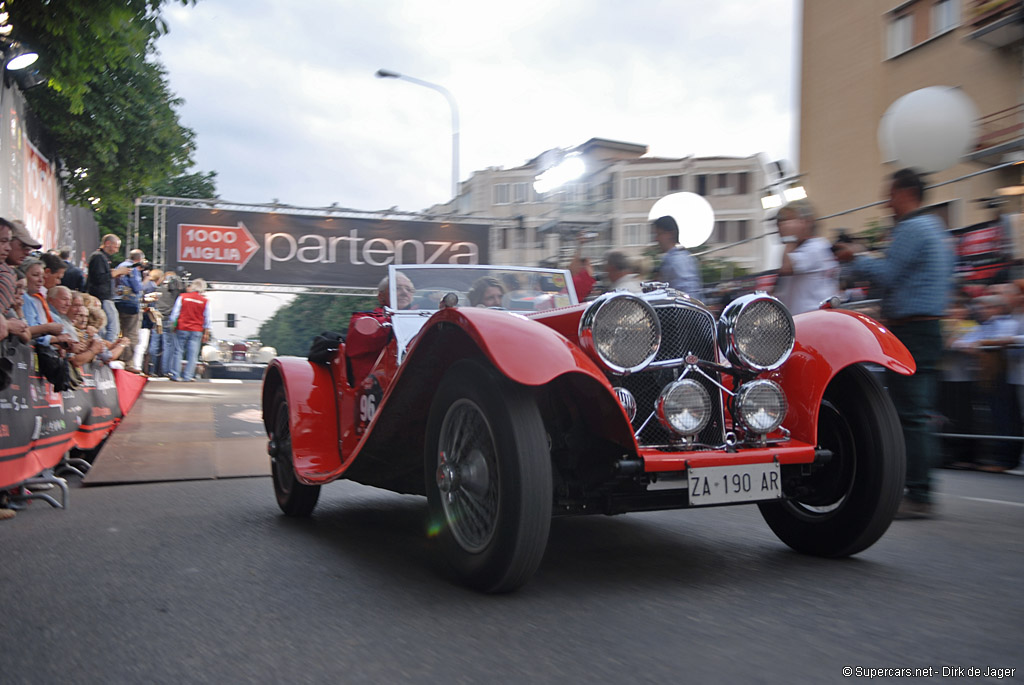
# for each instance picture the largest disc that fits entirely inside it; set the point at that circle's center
(38, 426)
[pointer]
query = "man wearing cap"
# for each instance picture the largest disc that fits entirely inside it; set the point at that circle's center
(15, 245)
(100, 283)
(22, 245)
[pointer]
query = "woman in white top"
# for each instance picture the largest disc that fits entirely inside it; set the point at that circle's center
(809, 272)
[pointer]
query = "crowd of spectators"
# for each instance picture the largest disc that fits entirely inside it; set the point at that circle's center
(110, 315)
(982, 382)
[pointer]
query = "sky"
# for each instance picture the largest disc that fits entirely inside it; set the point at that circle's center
(285, 105)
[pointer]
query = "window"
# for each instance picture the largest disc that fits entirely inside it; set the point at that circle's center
(654, 186)
(718, 233)
(501, 193)
(631, 188)
(945, 16)
(521, 192)
(742, 229)
(743, 182)
(572, 193)
(722, 185)
(901, 34)
(636, 234)
(675, 183)
(702, 184)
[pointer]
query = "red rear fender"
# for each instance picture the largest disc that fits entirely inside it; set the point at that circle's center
(312, 412)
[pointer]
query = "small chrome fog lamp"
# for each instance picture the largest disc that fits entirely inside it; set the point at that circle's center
(684, 407)
(627, 401)
(760, 406)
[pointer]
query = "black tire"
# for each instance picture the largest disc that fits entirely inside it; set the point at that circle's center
(851, 501)
(294, 498)
(487, 449)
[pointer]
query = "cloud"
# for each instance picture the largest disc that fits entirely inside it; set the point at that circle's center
(285, 105)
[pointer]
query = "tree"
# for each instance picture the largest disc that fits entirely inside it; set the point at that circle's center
(107, 106)
(197, 185)
(292, 328)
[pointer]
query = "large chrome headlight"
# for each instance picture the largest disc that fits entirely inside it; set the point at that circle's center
(756, 332)
(760, 406)
(684, 407)
(622, 331)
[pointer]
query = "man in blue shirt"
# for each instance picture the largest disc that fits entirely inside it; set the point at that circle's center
(678, 267)
(127, 301)
(915, 278)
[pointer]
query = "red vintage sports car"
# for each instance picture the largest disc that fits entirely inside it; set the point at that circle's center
(505, 402)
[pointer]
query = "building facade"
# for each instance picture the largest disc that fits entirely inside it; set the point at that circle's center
(860, 57)
(610, 202)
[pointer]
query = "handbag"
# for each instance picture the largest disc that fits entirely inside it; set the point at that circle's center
(55, 368)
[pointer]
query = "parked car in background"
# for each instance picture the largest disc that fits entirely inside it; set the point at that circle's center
(244, 360)
(536, 406)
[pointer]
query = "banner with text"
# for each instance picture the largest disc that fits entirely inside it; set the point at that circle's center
(38, 425)
(257, 247)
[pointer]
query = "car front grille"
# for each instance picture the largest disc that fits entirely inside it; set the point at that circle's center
(685, 329)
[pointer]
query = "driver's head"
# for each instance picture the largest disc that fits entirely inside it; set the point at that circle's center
(404, 290)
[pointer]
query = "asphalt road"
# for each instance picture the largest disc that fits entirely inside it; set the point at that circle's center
(205, 581)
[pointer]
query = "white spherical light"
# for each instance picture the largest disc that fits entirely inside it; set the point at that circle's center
(930, 129)
(693, 214)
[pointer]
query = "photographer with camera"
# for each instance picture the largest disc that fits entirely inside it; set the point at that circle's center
(128, 293)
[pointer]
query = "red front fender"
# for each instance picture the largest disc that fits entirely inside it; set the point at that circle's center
(827, 341)
(525, 351)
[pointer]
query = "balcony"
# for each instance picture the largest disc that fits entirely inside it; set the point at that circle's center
(996, 23)
(998, 134)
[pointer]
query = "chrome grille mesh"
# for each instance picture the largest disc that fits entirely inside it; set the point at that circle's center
(684, 330)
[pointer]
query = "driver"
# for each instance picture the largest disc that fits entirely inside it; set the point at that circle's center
(364, 342)
(486, 292)
(404, 291)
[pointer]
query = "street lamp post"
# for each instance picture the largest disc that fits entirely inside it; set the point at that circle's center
(385, 73)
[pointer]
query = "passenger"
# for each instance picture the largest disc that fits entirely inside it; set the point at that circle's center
(486, 292)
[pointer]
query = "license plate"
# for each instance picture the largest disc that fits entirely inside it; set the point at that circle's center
(728, 484)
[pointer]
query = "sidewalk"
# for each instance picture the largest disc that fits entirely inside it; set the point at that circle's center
(187, 431)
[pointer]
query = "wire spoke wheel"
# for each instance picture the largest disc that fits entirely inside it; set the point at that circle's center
(488, 477)
(848, 503)
(830, 486)
(294, 498)
(467, 476)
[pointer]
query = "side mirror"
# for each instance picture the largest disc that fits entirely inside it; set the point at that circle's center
(833, 302)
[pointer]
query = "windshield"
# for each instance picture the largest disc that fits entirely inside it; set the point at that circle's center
(416, 287)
